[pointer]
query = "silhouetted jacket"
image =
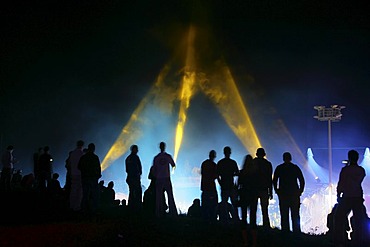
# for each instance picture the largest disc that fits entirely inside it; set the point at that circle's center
(133, 167)
(45, 163)
(226, 170)
(264, 173)
(89, 166)
(209, 174)
(288, 175)
(350, 179)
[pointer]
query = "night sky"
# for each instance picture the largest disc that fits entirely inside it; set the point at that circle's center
(77, 70)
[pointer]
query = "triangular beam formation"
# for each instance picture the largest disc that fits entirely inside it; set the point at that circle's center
(219, 86)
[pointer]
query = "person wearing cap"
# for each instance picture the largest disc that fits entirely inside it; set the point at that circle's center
(263, 187)
(286, 178)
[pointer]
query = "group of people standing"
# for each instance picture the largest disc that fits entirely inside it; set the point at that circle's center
(160, 182)
(252, 183)
(244, 188)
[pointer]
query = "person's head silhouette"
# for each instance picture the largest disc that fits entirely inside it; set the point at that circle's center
(353, 156)
(162, 146)
(260, 153)
(287, 157)
(227, 151)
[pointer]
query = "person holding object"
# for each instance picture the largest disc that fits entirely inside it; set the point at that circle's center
(350, 197)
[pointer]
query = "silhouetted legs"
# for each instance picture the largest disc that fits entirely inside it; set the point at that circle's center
(90, 195)
(135, 194)
(292, 204)
(344, 208)
(264, 200)
(75, 196)
(225, 195)
(209, 204)
(164, 184)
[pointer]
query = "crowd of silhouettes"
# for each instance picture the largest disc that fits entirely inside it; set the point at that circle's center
(84, 193)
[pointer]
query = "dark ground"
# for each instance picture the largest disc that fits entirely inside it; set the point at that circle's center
(25, 222)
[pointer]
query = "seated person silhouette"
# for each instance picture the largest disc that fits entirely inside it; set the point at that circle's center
(226, 213)
(195, 210)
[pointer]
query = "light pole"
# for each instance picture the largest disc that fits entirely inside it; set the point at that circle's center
(330, 114)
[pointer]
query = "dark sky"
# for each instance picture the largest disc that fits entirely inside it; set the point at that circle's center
(72, 70)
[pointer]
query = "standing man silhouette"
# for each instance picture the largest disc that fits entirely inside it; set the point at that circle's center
(75, 196)
(90, 168)
(208, 187)
(350, 197)
(134, 171)
(161, 172)
(227, 169)
(286, 187)
(263, 187)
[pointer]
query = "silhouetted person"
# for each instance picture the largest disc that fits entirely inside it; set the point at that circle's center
(350, 197)
(134, 171)
(45, 169)
(226, 213)
(246, 186)
(55, 194)
(108, 196)
(75, 195)
(263, 187)
(227, 169)
(195, 210)
(67, 184)
(360, 228)
(7, 161)
(208, 187)
(36, 157)
(89, 166)
(330, 223)
(149, 198)
(247, 197)
(54, 187)
(28, 182)
(161, 172)
(286, 179)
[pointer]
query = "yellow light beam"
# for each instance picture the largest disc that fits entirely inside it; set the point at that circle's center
(187, 90)
(223, 91)
(132, 130)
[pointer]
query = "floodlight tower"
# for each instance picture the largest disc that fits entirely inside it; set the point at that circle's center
(330, 114)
